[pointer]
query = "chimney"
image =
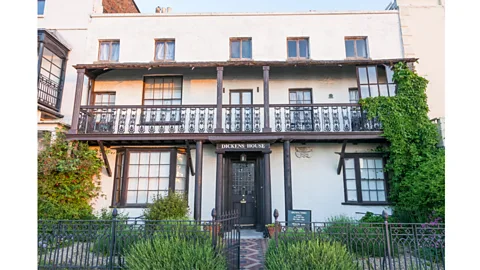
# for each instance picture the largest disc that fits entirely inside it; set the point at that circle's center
(157, 10)
(164, 10)
(169, 9)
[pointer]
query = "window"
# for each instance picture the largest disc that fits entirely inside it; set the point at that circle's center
(364, 179)
(298, 48)
(165, 50)
(141, 175)
(51, 66)
(356, 47)
(109, 51)
(241, 117)
(374, 81)
(241, 48)
(353, 95)
(104, 117)
(40, 7)
(162, 91)
(301, 117)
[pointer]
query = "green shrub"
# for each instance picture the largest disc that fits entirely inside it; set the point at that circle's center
(310, 254)
(66, 185)
(174, 252)
(173, 206)
(369, 217)
(107, 214)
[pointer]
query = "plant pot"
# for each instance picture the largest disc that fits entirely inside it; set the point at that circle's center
(209, 228)
(272, 229)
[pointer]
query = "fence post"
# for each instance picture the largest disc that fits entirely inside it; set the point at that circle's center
(112, 237)
(275, 215)
(389, 258)
(214, 228)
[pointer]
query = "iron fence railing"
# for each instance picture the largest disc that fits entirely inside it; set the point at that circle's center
(375, 245)
(102, 244)
(197, 119)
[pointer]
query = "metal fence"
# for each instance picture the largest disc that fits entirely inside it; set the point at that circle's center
(102, 244)
(375, 245)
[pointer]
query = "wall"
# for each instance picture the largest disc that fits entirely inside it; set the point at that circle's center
(423, 32)
(205, 37)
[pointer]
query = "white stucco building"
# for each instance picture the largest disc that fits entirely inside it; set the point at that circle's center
(250, 111)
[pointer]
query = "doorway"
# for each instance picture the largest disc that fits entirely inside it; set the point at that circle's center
(241, 117)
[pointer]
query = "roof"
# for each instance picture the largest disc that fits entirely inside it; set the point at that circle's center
(99, 68)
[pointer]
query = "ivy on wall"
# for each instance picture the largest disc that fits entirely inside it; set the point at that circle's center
(416, 165)
(66, 183)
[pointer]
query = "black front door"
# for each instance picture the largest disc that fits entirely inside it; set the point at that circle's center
(243, 191)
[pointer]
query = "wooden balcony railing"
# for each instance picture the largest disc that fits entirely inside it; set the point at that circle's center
(179, 119)
(48, 93)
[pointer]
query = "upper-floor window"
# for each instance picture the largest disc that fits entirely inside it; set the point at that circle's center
(105, 98)
(40, 7)
(301, 117)
(364, 179)
(162, 91)
(241, 48)
(298, 48)
(164, 49)
(374, 81)
(109, 50)
(356, 47)
(353, 95)
(51, 66)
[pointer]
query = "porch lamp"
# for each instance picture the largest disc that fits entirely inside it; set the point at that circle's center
(243, 158)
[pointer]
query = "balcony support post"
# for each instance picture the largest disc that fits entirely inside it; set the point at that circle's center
(219, 128)
(287, 177)
(78, 100)
(219, 184)
(266, 99)
(197, 212)
(267, 213)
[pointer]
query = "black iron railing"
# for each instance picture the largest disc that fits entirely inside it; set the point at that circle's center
(177, 119)
(375, 245)
(48, 93)
(102, 244)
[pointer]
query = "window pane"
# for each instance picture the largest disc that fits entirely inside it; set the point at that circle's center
(180, 184)
(247, 48)
(307, 97)
(380, 185)
(389, 72)
(292, 48)
(170, 50)
(142, 197)
(364, 184)
(370, 162)
(352, 196)
(247, 97)
(181, 159)
(349, 163)
(351, 185)
(165, 158)
(381, 196)
(364, 173)
(154, 171)
(382, 74)
(293, 97)
(372, 74)
(235, 49)
(160, 50)
(350, 173)
(303, 43)
(133, 171)
(362, 75)
(164, 170)
(163, 185)
(372, 185)
(373, 196)
(378, 163)
(181, 170)
(104, 51)
(235, 98)
(115, 51)
(349, 48)
(155, 158)
(365, 91)
(383, 90)
(379, 174)
(143, 171)
(131, 197)
(55, 71)
(353, 93)
(40, 7)
(143, 184)
(153, 184)
(361, 48)
(365, 196)
(132, 183)
(177, 93)
(144, 158)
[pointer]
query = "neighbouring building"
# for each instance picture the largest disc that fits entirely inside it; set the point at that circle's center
(62, 36)
(422, 25)
(247, 111)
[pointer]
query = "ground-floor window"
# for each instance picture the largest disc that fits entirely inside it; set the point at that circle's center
(143, 174)
(364, 179)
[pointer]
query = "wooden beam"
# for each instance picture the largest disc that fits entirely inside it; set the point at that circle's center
(219, 185)
(266, 99)
(78, 101)
(342, 154)
(189, 159)
(105, 159)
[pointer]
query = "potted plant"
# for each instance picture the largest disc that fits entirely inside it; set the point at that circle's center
(271, 229)
(208, 227)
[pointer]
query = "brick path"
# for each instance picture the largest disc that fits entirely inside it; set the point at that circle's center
(252, 253)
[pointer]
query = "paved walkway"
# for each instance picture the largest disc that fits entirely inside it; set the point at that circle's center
(252, 253)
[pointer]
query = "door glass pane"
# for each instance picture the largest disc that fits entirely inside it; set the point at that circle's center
(235, 98)
(246, 49)
(365, 91)
(180, 184)
(235, 49)
(247, 97)
(349, 48)
(292, 48)
(303, 43)
(361, 48)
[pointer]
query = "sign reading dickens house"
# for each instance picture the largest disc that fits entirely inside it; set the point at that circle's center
(297, 217)
(243, 146)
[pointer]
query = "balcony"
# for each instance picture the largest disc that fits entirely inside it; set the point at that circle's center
(195, 121)
(48, 93)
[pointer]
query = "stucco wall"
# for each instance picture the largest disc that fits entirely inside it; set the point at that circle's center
(206, 37)
(423, 32)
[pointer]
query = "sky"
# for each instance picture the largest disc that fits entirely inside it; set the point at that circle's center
(189, 6)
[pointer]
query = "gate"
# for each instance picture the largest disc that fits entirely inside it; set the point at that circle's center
(226, 236)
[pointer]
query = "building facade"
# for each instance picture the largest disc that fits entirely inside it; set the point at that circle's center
(250, 111)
